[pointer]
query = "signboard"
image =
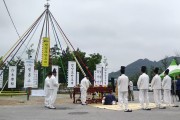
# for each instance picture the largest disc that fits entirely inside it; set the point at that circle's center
(99, 77)
(71, 73)
(1, 78)
(95, 78)
(12, 77)
(45, 51)
(77, 78)
(105, 76)
(35, 80)
(29, 73)
(57, 72)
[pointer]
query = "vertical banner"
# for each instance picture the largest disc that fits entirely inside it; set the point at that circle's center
(71, 73)
(12, 77)
(95, 78)
(57, 72)
(35, 80)
(1, 78)
(105, 77)
(45, 51)
(99, 74)
(77, 78)
(29, 73)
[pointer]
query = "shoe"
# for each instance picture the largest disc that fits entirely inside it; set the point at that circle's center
(147, 108)
(162, 107)
(52, 107)
(83, 104)
(127, 110)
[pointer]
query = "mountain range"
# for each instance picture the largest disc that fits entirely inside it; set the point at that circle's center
(134, 67)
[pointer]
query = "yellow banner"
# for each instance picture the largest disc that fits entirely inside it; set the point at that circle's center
(45, 51)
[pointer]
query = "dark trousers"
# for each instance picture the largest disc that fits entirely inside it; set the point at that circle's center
(130, 95)
(178, 93)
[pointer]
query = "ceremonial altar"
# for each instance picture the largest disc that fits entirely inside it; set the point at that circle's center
(91, 91)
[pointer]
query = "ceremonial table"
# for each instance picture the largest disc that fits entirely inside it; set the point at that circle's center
(91, 91)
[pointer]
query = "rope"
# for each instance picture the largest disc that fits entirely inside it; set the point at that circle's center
(39, 43)
(68, 45)
(55, 35)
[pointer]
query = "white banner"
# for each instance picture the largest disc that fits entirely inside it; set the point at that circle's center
(35, 80)
(99, 77)
(77, 78)
(95, 78)
(12, 77)
(57, 72)
(29, 73)
(1, 78)
(105, 77)
(71, 74)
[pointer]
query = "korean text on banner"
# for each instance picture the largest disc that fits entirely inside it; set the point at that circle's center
(57, 72)
(45, 51)
(1, 78)
(29, 73)
(35, 81)
(105, 77)
(12, 76)
(95, 78)
(71, 73)
(99, 76)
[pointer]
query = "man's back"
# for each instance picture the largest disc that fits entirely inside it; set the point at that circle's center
(143, 81)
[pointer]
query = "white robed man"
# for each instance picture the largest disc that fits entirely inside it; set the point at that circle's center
(47, 90)
(84, 85)
(54, 85)
(143, 86)
(166, 86)
(156, 86)
(123, 82)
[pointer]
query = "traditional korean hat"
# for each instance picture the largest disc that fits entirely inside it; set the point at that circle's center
(143, 69)
(122, 69)
(156, 70)
(167, 71)
(54, 70)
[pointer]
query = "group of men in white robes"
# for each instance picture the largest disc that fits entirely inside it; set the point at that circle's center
(51, 87)
(143, 86)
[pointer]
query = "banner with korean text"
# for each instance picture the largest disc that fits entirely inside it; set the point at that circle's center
(1, 78)
(45, 51)
(29, 73)
(57, 71)
(35, 80)
(105, 76)
(71, 74)
(99, 77)
(95, 78)
(77, 78)
(12, 77)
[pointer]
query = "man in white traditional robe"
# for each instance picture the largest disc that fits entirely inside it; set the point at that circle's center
(54, 85)
(166, 85)
(156, 86)
(47, 90)
(85, 83)
(123, 82)
(143, 86)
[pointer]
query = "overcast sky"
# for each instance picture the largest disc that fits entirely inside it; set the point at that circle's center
(121, 30)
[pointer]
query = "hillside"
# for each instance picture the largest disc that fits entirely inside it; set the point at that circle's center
(134, 68)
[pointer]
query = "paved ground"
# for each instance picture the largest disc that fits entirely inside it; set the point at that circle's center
(66, 110)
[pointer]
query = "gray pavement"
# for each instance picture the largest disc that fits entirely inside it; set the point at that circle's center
(70, 111)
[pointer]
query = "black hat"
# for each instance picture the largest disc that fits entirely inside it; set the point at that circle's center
(54, 70)
(167, 71)
(156, 70)
(122, 69)
(143, 69)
